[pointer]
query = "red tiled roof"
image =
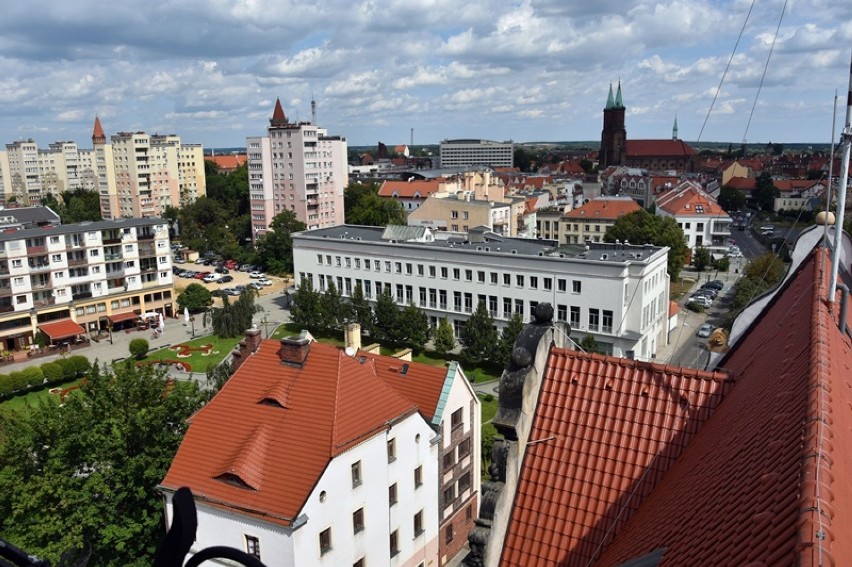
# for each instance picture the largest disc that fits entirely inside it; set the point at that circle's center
(684, 199)
(604, 208)
(674, 308)
(421, 383)
(98, 131)
(278, 116)
(657, 148)
(408, 189)
(794, 185)
(262, 443)
(742, 183)
(604, 433)
(228, 162)
(61, 329)
(750, 487)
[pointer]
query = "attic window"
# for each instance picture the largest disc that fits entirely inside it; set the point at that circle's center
(404, 369)
(272, 402)
(234, 480)
(362, 359)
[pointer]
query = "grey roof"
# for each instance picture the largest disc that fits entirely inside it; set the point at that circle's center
(78, 227)
(403, 232)
(31, 215)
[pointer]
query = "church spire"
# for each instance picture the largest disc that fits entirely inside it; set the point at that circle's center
(98, 136)
(278, 117)
(618, 101)
(609, 100)
(674, 129)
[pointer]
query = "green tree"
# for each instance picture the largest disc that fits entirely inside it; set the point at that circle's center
(363, 206)
(767, 268)
(445, 339)
(88, 475)
(478, 337)
(641, 227)
(590, 344)
(232, 319)
(138, 348)
(386, 314)
(412, 329)
(275, 248)
(361, 310)
(195, 297)
(765, 192)
(305, 309)
(701, 258)
(731, 199)
(332, 308)
(80, 205)
(507, 339)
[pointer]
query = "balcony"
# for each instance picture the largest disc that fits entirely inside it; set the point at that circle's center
(6, 291)
(147, 249)
(77, 261)
(81, 295)
(721, 229)
(114, 257)
(33, 250)
(45, 302)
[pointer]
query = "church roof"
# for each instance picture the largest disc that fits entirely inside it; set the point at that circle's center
(278, 117)
(98, 131)
(657, 148)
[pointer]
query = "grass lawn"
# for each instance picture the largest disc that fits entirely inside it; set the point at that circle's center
(198, 361)
(291, 330)
(489, 408)
(34, 398)
(679, 288)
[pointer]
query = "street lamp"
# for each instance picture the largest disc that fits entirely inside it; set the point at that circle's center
(192, 322)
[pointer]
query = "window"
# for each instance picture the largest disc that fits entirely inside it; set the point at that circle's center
(418, 476)
(356, 474)
(576, 286)
(464, 483)
(464, 448)
(548, 284)
(391, 450)
(394, 543)
(253, 546)
(325, 541)
(606, 326)
(17, 263)
(420, 270)
(519, 281)
(418, 523)
(448, 534)
(468, 514)
(387, 267)
(449, 459)
(534, 282)
(431, 271)
(392, 496)
(562, 313)
(358, 520)
(575, 316)
(480, 276)
(444, 272)
(507, 279)
(449, 495)
(594, 319)
(468, 275)
(465, 215)
(561, 285)
(454, 214)
(456, 274)
(494, 278)
(456, 418)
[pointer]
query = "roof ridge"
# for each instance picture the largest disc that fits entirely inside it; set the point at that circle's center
(334, 423)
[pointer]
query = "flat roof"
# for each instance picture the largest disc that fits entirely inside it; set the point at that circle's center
(78, 227)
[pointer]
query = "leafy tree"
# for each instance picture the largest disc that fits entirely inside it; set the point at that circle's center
(275, 248)
(363, 206)
(138, 348)
(386, 316)
(332, 308)
(88, 475)
(641, 227)
(445, 339)
(361, 311)
(765, 192)
(701, 258)
(217, 376)
(305, 309)
(723, 264)
(731, 199)
(507, 339)
(412, 329)
(767, 268)
(232, 319)
(590, 344)
(195, 297)
(478, 337)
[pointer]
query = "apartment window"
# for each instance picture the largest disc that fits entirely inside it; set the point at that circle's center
(392, 495)
(464, 483)
(561, 285)
(356, 474)
(507, 307)
(465, 215)
(519, 307)
(468, 302)
(387, 267)
(575, 316)
(480, 277)
(397, 267)
(253, 546)
(420, 270)
(456, 418)
(366, 264)
(548, 284)
(562, 313)
(468, 275)
(431, 271)
(325, 541)
(456, 274)
(606, 322)
(337, 261)
(391, 450)
(394, 543)
(449, 495)
(494, 278)
(418, 523)
(464, 448)
(507, 279)
(534, 282)
(418, 476)
(358, 520)
(357, 263)
(17, 263)
(594, 319)
(444, 273)
(454, 214)
(448, 534)
(449, 459)
(455, 228)
(576, 286)
(519, 281)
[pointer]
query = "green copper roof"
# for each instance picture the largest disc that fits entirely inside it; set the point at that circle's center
(618, 101)
(609, 102)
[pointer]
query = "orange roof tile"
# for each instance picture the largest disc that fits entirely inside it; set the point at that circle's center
(410, 189)
(262, 443)
(61, 329)
(688, 199)
(604, 433)
(742, 183)
(604, 208)
(763, 482)
(227, 162)
(654, 148)
(420, 383)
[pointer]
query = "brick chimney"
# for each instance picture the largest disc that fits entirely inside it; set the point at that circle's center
(294, 350)
(245, 347)
(352, 336)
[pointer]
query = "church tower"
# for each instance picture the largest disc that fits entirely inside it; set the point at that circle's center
(613, 135)
(674, 129)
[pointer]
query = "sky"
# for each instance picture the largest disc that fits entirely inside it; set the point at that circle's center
(537, 70)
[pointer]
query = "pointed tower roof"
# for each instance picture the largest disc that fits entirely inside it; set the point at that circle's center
(674, 129)
(609, 100)
(98, 136)
(618, 101)
(278, 117)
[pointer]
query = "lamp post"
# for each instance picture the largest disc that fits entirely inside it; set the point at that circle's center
(192, 322)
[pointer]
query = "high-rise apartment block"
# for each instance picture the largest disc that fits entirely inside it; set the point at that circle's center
(135, 174)
(296, 167)
(465, 153)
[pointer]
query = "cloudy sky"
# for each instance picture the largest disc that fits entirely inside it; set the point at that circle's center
(535, 70)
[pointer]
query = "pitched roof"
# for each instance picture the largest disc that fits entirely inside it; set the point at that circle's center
(687, 199)
(261, 444)
(762, 481)
(795, 185)
(421, 188)
(278, 117)
(227, 162)
(657, 148)
(98, 131)
(605, 432)
(604, 208)
(742, 183)
(420, 383)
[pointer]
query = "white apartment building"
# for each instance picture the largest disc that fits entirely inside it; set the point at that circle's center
(92, 275)
(703, 221)
(136, 175)
(464, 152)
(296, 167)
(618, 294)
(380, 466)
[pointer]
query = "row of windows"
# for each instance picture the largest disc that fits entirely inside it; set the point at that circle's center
(357, 479)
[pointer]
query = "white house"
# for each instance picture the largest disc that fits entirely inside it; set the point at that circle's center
(313, 456)
(703, 221)
(616, 293)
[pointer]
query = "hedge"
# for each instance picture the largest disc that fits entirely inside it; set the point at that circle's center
(53, 372)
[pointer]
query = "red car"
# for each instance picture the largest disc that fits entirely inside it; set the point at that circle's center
(231, 264)
(201, 275)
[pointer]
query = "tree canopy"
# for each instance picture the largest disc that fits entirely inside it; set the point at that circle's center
(765, 192)
(731, 199)
(232, 319)
(702, 258)
(641, 227)
(445, 339)
(478, 337)
(195, 297)
(275, 248)
(362, 205)
(86, 474)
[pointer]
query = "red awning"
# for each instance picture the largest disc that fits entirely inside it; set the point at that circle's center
(119, 317)
(61, 329)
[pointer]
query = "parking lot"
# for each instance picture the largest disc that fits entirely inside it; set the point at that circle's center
(239, 279)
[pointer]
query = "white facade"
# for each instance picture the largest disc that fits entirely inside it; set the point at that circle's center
(617, 294)
(461, 153)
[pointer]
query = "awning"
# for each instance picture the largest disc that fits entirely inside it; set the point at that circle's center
(119, 317)
(61, 329)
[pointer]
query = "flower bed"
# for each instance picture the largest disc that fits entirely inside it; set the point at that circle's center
(185, 351)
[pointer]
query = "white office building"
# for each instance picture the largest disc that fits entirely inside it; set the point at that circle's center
(618, 294)
(464, 153)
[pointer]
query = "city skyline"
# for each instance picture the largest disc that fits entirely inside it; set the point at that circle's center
(530, 71)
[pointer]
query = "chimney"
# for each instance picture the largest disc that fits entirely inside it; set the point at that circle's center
(294, 350)
(352, 336)
(252, 340)
(246, 347)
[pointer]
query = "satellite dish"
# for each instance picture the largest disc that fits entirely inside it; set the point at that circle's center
(350, 351)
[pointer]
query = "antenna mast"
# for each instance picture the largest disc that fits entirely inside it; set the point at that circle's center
(846, 142)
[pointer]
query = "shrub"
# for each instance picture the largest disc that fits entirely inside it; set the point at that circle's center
(67, 366)
(5, 385)
(18, 379)
(138, 348)
(53, 372)
(488, 397)
(79, 365)
(695, 306)
(35, 377)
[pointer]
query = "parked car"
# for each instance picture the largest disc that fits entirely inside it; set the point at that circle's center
(199, 261)
(222, 270)
(201, 275)
(188, 274)
(710, 292)
(226, 279)
(718, 284)
(257, 275)
(218, 293)
(210, 278)
(231, 291)
(264, 282)
(231, 264)
(702, 300)
(255, 285)
(705, 330)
